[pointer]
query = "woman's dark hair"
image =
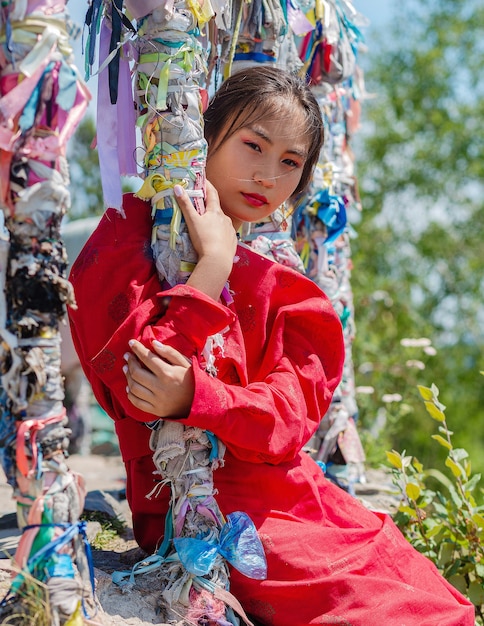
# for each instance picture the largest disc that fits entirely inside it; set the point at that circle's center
(259, 92)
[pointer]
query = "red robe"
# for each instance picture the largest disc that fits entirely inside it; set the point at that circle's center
(330, 560)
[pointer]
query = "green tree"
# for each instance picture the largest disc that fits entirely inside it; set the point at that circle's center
(85, 187)
(418, 257)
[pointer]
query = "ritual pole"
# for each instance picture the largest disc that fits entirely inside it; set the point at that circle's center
(42, 99)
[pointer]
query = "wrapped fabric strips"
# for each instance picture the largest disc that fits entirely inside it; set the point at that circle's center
(42, 99)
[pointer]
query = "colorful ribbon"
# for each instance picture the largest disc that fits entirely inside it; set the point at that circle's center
(238, 543)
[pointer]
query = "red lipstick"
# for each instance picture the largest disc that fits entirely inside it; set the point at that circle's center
(255, 199)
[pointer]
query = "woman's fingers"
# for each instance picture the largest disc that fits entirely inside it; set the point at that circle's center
(137, 399)
(139, 379)
(186, 205)
(212, 232)
(154, 362)
(170, 355)
(159, 383)
(211, 196)
(212, 202)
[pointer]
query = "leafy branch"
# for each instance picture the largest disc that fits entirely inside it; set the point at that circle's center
(438, 514)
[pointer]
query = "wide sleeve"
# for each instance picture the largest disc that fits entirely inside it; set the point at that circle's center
(119, 297)
(295, 358)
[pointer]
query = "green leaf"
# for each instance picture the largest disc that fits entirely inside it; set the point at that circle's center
(459, 582)
(476, 593)
(478, 520)
(442, 441)
(480, 569)
(412, 490)
(434, 412)
(403, 508)
(417, 465)
(394, 459)
(446, 554)
(472, 483)
(455, 468)
(446, 482)
(426, 393)
(441, 510)
(471, 499)
(435, 530)
(459, 454)
(445, 430)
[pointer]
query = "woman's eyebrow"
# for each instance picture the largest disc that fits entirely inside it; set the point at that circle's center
(257, 130)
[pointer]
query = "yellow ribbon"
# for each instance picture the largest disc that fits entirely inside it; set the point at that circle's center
(202, 10)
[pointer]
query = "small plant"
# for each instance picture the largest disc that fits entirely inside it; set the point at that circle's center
(107, 522)
(104, 539)
(439, 515)
(111, 527)
(30, 605)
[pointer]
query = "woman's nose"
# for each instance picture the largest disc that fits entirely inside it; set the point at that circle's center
(265, 178)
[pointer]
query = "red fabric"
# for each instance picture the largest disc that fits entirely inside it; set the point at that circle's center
(330, 560)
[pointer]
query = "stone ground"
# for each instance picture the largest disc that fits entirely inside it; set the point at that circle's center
(105, 480)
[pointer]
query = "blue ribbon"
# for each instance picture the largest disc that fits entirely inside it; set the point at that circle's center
(259, 57)
(322, 465)
(214, 443)
(93, 17)
(27, 117)
(238, 543)
(152, 562)
(332, 212)
(66, 97)
(60, 567)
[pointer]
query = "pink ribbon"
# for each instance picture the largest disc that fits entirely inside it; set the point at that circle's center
(32, 427)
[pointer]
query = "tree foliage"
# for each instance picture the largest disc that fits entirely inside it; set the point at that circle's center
(418, 257)
(85, 187)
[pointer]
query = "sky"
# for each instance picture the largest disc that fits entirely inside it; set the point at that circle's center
(377, 11)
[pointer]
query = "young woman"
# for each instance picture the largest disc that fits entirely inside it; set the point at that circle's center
(330, 561)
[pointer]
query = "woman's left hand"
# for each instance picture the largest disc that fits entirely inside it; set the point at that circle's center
(159, 383)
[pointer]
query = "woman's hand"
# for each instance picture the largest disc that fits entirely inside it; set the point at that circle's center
(161, 384)
(213, 237)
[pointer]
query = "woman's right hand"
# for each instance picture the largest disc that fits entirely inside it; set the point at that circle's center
(214, 239)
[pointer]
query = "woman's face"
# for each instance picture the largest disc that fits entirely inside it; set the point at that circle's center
(259, 166)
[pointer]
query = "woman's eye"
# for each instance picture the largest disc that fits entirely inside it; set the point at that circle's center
(253, 145)
(291, 163)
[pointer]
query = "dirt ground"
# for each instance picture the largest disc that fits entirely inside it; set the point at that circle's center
(139, 607)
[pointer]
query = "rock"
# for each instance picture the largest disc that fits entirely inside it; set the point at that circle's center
(105, 504)
(9, 520)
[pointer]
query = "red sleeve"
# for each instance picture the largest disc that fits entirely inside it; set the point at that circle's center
(294, 367)
(119, 297)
